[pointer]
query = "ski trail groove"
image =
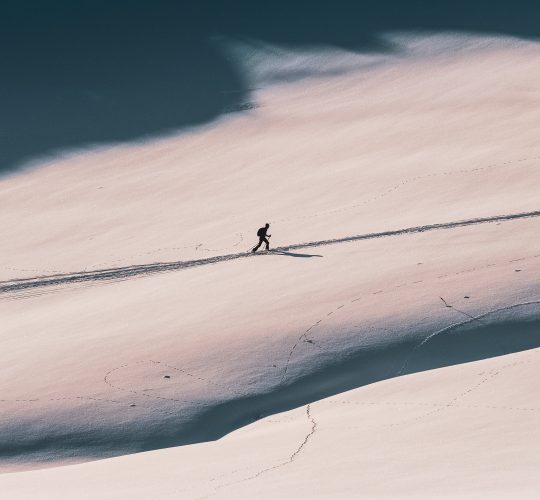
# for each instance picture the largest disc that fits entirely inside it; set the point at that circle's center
(128, 272)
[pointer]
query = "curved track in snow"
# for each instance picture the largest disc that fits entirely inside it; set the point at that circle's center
(127, 272)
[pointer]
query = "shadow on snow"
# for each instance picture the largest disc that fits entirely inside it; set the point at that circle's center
(78, 73)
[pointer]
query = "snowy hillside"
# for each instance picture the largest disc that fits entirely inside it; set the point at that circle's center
(402, 193)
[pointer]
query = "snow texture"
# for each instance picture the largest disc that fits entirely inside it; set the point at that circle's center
(386, 348)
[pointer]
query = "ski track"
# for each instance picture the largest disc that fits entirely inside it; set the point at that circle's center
(35, 286)
(303, 338)
(128, 272)
(200, 247)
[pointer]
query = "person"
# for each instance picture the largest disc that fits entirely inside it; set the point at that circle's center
(263, 237)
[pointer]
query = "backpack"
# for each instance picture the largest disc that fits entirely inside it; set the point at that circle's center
(261, 232)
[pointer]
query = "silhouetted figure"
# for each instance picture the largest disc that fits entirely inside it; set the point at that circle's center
(263, 237)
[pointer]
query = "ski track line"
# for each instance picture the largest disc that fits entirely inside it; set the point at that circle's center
(382, 194)
(438, 407)
(198, 247)
(304, 336)
(128, 272)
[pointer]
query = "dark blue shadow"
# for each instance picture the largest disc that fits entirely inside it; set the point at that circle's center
(84, 72)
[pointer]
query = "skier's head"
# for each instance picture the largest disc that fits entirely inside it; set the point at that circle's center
(267, 225)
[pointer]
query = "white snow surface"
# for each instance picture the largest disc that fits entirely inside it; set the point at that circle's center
(397, 366)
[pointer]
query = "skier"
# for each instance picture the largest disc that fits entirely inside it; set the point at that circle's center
(261, 233)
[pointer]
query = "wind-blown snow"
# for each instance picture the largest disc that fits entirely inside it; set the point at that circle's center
(149, 335)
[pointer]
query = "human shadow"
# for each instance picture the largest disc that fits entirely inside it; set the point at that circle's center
(78, 73)
(293, 254)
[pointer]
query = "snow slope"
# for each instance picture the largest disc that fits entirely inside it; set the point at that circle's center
(459, 432)
(99, 363)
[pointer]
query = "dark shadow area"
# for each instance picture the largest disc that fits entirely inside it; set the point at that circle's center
(500, 332)
(85, 72)
(472, 342)
(325, 373)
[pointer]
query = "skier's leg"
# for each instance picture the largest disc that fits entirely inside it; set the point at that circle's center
(258, 245)
(267, 243)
